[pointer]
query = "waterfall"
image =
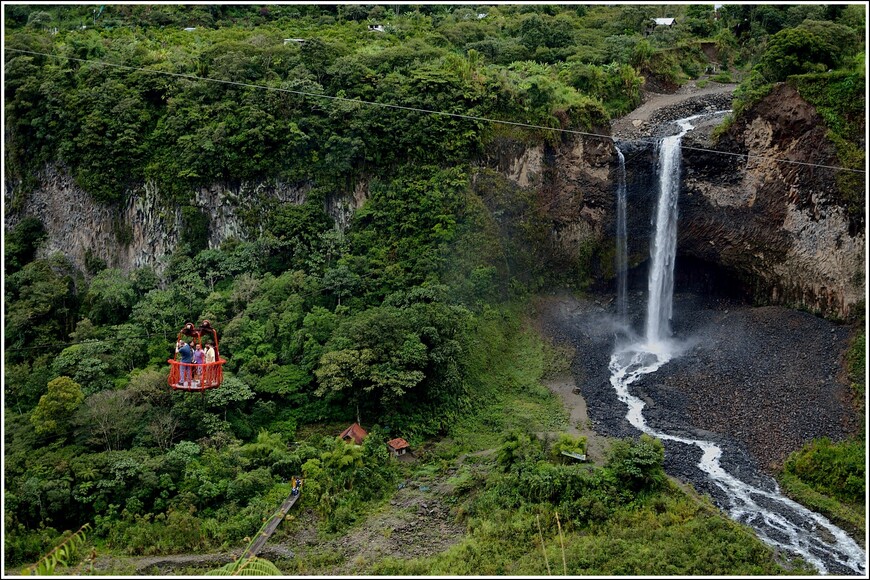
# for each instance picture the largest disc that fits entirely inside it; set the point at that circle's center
(664, 245)
(621, 243)
(778, 521)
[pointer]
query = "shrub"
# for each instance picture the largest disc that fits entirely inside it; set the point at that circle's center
(638, 464)
(834, 469)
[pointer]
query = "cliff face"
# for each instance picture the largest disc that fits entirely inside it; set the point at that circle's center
(570, 183)
(782, 228)
(145, 230)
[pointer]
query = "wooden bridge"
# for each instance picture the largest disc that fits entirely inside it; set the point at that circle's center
(266, 532)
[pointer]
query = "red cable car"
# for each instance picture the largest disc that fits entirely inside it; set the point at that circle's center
(192, 376)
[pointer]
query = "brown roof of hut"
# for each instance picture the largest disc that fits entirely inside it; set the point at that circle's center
(398, 443)
(354, 432)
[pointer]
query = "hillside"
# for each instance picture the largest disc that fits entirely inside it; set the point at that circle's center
(405, 217)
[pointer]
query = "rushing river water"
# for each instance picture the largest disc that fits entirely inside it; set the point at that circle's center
(777, 520)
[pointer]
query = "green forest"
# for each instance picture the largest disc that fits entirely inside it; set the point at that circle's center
(413, 320)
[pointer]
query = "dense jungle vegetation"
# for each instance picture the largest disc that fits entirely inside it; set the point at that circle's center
(410, 319)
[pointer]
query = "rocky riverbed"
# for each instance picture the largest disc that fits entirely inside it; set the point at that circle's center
(652, 118)
(760, 382)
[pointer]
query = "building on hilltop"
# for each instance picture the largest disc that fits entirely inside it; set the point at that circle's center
(654, 24)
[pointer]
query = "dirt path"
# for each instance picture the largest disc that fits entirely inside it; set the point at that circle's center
(629, 124)
(655, 101)
(596, 445)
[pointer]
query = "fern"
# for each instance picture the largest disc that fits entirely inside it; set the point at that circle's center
(252, 566)
(62, 554)
(249, 566)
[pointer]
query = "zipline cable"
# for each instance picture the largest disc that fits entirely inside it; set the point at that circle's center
(420, 110)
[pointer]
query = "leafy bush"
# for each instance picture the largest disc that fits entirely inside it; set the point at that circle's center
(794, 51)
(638, 464)
(834, 469)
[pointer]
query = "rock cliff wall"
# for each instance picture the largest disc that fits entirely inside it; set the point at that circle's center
(145, 230)
(780, 229)
(775, 218)
(571, 183)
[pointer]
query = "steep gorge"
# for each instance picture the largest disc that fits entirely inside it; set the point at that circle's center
(780, 231)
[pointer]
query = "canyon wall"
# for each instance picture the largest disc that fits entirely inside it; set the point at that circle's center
(782, 230)
(776, 218)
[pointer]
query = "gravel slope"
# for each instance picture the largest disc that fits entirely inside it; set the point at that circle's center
(759, 381)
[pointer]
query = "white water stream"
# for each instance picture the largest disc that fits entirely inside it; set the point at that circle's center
(777, 520)
(621, 243)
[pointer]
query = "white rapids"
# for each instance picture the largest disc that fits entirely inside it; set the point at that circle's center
(778, 521)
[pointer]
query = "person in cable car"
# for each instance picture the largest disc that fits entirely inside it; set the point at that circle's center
(199, 369)
(186, 358)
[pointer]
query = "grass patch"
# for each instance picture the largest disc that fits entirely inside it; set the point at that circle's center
(666, 533)
(850, 518)
(313, 563)
(856, 362)
(506, 378)
(830, 478)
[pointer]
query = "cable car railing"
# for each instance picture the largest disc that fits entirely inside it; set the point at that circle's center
(196, 376)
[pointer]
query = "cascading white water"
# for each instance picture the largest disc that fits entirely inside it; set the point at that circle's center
(621, 242)
(664, 244)
(777, 520)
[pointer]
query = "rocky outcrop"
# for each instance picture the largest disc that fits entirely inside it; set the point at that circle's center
(771, 213)
(571, 184)
(145, 229)
(136, 234)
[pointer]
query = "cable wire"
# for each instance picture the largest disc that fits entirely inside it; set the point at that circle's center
(421, 110)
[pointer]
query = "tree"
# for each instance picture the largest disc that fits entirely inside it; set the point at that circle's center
(53, 412)
(40, 303)
(794, 51)
(342, 282)
(38, 19)
(89, 364)
(233, 392)
(638, 463)
(634, 18)
(110, 297)
(21, 243)
(342, 462)
(163, 429)
(26, 381)
(699, 19)
(838, 41)
(111, 417)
